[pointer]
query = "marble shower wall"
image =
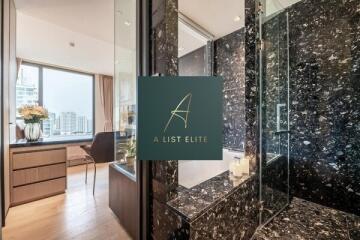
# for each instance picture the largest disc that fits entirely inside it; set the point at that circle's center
(193, 63)
(275, 169)
(229, 63)
(325, 102)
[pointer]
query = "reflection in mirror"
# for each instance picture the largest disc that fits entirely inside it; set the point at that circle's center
(194, 48)
(274, 7)
(211, 42)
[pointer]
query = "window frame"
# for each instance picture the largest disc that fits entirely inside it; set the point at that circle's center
(41, 81)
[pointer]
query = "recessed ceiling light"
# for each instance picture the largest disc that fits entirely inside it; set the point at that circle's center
(72, 44)
(127, 23)
(237, 18)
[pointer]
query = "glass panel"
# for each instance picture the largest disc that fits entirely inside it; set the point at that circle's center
(274, 105)
(211, 42)
(195, 48)
(27, 86)
(68, 96)
(125, 84)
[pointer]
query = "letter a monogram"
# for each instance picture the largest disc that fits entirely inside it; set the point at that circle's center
(178, 111)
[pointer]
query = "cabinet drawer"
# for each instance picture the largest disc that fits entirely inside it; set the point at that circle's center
(35, 191)
(32, 175)
(38, 158)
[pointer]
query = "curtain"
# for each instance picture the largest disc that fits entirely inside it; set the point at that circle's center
(18, 65)
(106, 95)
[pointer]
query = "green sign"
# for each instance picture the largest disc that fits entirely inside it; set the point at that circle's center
(179, 118)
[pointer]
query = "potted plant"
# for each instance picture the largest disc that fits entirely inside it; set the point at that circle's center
(131, 152)
(32, 115)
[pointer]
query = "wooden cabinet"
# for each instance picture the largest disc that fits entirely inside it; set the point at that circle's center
(36, 158)
(37, 172)
(34, 191)
(123, 200)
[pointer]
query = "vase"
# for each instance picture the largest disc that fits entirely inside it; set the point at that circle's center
(130, 160)
(32, 131)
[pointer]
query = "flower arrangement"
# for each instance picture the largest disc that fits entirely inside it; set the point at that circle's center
(33, 113)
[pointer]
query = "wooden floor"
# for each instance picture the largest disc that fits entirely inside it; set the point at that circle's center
(73, 215)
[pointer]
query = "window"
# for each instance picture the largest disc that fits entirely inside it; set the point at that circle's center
(67, 95)
(27, 86)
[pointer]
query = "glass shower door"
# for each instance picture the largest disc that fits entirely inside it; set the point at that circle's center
(274, 109)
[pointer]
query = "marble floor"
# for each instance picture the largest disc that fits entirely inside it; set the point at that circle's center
(304, 220)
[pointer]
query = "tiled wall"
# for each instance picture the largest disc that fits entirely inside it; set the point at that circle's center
(193, 63)
(325, 101)
(164, 48)
(324, 113)
(229, 63)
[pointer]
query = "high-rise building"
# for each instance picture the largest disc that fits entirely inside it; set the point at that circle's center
(57, 123)
(89, 126)
(49, 125)
(81, 124)
(26, 91)
(67, 123)
(26, 95)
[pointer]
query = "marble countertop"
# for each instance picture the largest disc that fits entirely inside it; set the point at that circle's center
(191, 202)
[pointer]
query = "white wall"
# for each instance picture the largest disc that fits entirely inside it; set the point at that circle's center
(44, 42)
(9, 79)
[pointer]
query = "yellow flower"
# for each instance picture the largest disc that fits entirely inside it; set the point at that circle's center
(33, 113)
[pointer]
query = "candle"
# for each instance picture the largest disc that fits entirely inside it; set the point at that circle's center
(240, 167)
(246, 165)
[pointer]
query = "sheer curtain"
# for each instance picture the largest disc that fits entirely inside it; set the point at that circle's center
(106, 95)
(18, 65)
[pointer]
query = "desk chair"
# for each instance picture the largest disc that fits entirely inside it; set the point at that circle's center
(100, 151)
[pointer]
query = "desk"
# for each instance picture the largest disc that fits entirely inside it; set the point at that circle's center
(38, 169)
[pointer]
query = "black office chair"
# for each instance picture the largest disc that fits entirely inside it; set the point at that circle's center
(100, 151)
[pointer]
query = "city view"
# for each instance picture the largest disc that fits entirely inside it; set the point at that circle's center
(68, 113)
(67, 123)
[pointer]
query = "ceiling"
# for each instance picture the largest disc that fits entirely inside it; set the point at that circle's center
(94, 18)
(189, 39)
(218, 17)
(275, 6)
(213, 16)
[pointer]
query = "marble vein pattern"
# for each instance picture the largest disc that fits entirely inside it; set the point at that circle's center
(229, 63)
(324, 41)
(191, 202)
(304, 220)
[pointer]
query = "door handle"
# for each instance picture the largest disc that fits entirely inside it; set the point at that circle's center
(278, 116)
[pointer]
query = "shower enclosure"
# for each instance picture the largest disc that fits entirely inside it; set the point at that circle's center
(274, 79)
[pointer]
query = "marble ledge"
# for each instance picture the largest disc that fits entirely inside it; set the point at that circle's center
(192, 202)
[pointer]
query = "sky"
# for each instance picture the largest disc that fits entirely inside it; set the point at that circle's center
(67, 91)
